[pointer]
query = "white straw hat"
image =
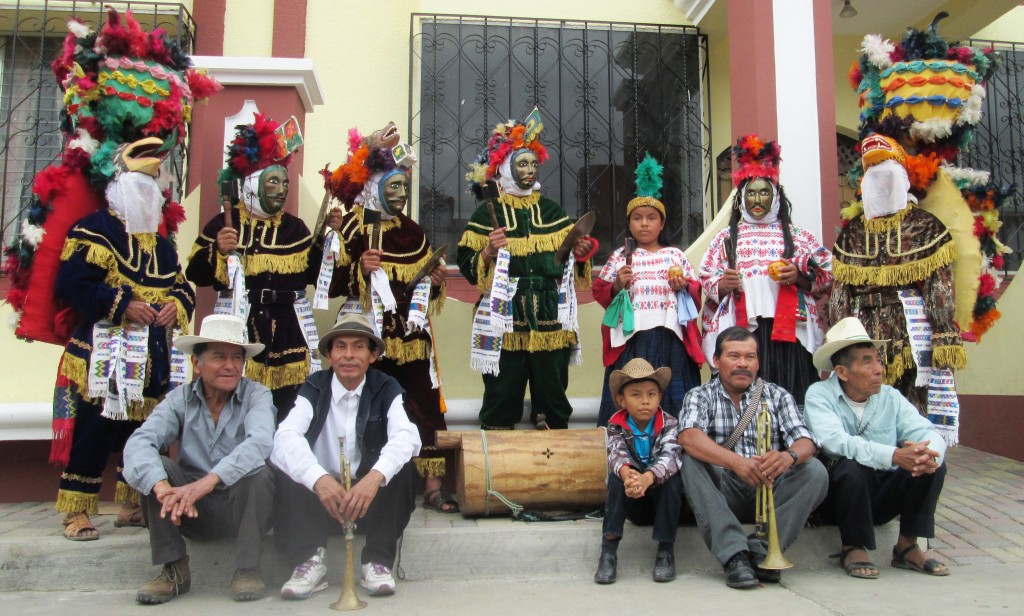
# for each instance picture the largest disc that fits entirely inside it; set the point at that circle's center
(220, 328)
(638, 369)
(846, 332)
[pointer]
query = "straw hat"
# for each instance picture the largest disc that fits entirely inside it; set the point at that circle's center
(638, 369)
(847, 332)
(350, 323)
(220, 328)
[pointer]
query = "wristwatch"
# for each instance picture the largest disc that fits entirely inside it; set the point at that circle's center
(794, 455)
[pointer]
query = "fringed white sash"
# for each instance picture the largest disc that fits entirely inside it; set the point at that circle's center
(304, 314)
(236, 303)
(117, 366)
(943, 405)
(417, 321)
(493, 318)
(179, 362)
(568, 309)
(332, 249)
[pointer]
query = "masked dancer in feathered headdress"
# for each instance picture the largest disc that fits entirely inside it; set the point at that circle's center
(765, 273)
(262, 260)
(95, 269)
(918, 261)
(525, 328)
(388, 270)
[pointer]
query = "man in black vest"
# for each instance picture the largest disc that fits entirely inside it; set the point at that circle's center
(366, 407)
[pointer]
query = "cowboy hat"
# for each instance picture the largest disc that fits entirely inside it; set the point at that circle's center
(220, 328)
(350, 323)
(638, 369)
(846, 332)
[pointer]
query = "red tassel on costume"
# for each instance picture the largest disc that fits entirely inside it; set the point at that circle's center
(739, 300)
(60, 447)
(786, 307)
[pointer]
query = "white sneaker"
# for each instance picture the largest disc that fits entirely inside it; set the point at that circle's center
(308, 578)
(377, 580)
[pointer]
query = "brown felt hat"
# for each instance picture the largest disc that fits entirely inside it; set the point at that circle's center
(638, 369)
(350, 323)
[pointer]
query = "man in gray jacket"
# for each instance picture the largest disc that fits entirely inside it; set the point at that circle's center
(220, 484)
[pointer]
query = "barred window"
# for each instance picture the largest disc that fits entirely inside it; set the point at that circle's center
(607, 92)
(998, 144)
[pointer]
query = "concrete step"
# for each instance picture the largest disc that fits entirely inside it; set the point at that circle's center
(443, 547)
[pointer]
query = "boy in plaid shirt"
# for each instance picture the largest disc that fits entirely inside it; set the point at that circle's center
(643, 464)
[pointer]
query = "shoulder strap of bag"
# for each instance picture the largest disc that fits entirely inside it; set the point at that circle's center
(748, 415)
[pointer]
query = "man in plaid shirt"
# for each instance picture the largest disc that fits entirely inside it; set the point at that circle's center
(721, 483)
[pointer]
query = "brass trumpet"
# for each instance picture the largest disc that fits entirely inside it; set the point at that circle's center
(348, 600)
(764, 521)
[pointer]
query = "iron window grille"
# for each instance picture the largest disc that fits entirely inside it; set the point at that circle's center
(608, 93)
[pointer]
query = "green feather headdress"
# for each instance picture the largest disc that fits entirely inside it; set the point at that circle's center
(648, 186)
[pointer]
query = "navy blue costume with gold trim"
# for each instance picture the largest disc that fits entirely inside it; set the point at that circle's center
(103, 268)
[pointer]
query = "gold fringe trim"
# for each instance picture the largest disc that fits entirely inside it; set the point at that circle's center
(436, 304)
(484, 274)
(295, 263)
(69, 501)
(538, 341)
(584, 280)
(101, 256)
(886, 223)
(140, 411)
(433, 467)
(75, 369)
(894, 275)
(949, 356)
(276, 377)
(513, 201)
(147, 242)
(403, 272)
(899, 364)
(403, 352)
(220, 267)
(125, 494)
(519, 246)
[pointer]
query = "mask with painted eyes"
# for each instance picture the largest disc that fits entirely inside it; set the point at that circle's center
(273, 189)
(393, 192)
(524, 168)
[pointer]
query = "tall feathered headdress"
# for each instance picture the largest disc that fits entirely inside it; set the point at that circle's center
(756, 158)
(256, 146)
(379, 152)
(648, 186)
(506, 137)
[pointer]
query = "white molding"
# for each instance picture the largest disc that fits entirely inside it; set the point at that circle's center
(298, 73)
(28, 421)
(695, 10)
(31, 421)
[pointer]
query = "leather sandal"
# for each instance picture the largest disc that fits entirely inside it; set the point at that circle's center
(851, 567)
(77, 527)
(440, 500)
(130, 517)
(930, 566)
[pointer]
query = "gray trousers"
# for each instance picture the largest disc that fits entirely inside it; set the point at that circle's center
(241, 511)
(721, 501)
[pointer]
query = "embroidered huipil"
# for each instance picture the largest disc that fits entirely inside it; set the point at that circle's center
(757, 247)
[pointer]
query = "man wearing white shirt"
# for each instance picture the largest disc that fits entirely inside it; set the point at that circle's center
(366, 407)
(884, 459)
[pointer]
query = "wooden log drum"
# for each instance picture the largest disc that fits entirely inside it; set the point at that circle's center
(539, 470)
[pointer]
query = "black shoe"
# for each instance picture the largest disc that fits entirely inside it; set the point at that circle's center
(664, 566)
(606, 567)
(739, 573)
(769, 576)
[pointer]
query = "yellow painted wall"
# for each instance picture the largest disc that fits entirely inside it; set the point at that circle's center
(993, 366)
(1006, 28)
(249, 28)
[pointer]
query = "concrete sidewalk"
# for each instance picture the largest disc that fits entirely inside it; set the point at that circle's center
(469, 566)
